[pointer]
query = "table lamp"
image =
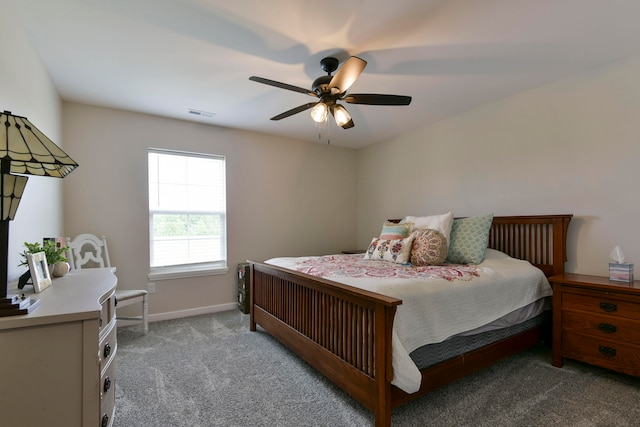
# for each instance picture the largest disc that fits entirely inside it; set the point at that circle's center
(24, 150)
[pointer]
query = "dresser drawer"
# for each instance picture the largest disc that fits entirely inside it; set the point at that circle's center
(609, 354)
(108, 312)
(602, 303)
(108, 387)
(602, 326)
(108, 345)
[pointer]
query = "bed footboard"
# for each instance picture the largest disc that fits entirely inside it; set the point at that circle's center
(343, 332)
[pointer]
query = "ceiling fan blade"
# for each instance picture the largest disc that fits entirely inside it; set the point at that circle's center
(293, 111)
(347, 74)
(282, 85)
(377, 99)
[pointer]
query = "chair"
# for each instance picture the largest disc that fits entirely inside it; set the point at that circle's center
(87, 251)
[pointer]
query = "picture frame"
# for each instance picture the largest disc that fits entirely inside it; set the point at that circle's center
(39, 269)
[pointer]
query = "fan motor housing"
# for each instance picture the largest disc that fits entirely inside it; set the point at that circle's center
(321, 85)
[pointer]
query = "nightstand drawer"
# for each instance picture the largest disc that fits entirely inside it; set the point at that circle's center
(602, 303)
(606, 353)
(602, 326)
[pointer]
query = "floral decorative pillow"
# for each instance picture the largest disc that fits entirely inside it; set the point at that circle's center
(442, 223)
(397, 250)
(469, 239)
(393, 231)
(429, 248)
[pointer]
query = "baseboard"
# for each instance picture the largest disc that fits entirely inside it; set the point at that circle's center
(182, 313)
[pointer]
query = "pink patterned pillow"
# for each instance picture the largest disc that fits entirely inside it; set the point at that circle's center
(429, 248)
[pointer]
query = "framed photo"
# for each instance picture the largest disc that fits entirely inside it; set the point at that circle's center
(39, 271)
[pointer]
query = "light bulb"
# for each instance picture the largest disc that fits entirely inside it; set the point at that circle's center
(319, 112)
(341, 115)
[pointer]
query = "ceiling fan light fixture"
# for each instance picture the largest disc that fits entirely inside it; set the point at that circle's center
(329, 89)
(319, 112)
(341, 115)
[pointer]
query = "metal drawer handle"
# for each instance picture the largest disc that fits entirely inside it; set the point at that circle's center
(107, 350)
(105, 420)
(107, 384)
(607, 351)
(608, 307)
(607, 328)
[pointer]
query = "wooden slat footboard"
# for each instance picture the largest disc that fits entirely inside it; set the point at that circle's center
(344, 332)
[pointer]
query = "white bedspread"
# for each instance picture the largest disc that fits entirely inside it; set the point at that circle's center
(434, 308)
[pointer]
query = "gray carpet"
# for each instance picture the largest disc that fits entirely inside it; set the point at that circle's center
(212, 371)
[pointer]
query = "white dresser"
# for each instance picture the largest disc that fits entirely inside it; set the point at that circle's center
(57, 364)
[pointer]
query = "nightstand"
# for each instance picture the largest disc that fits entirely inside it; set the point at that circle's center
(596, 321)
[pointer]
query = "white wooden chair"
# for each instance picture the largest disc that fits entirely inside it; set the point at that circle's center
(87, 251)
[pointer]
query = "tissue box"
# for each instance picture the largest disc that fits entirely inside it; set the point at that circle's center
(621, 272)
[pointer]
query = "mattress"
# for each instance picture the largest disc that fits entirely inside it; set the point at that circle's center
(438, 302)
(522, 320)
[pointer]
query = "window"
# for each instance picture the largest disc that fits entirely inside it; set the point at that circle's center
(187, 214)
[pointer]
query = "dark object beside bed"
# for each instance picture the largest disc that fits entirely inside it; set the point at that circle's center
(345, 332)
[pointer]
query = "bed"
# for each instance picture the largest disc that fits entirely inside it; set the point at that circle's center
(347, 333)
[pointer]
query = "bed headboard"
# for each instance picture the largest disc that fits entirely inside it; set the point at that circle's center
(539, 239)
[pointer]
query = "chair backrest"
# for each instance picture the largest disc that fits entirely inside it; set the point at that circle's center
(87, 250)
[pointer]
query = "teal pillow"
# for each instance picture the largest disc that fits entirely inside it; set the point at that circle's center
(469, 239)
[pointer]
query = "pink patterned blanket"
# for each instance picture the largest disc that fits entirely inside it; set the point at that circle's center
(357, 267)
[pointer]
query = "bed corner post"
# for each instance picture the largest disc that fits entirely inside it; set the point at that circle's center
(252, 320)
(383, 365)
(560, 230)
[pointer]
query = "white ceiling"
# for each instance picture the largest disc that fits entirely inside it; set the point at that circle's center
(165, 57)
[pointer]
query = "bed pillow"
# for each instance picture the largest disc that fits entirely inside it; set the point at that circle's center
(393, 231)
(469, 239)
(442, 223)
(397, 250)
(429, 247)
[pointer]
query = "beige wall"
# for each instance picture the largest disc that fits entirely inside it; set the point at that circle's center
(568, 147)
(26, 90)
(283, 197)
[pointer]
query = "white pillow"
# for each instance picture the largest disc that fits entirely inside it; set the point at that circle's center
(442, 223)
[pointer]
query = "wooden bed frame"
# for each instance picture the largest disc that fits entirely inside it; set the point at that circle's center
(345, 332)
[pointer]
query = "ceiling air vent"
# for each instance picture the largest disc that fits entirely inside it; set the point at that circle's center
(201, 113)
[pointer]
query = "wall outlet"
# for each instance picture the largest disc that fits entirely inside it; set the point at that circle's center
(151, 287)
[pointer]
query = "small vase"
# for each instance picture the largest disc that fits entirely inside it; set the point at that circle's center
(60, 269)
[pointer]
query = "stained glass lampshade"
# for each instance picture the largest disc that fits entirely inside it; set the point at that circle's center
(24, 150)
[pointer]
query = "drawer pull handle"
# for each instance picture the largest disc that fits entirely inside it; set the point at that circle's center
(107, 385)
(607, 351)
(608, 307)
(107, 350)
(607, 328)
(105, 420)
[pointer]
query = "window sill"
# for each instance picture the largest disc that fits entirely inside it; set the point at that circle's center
(182, 272)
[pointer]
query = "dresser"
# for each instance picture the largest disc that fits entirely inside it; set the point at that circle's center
(58, 363)
(596, 321)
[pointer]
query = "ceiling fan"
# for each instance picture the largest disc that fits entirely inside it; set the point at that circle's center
(331, 89)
